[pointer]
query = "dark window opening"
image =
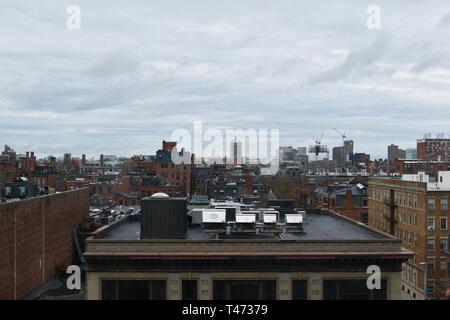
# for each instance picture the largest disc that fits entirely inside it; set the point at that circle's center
(244, 289)
(189, 289)
(353, 290)
(133, 289)
(299, 290)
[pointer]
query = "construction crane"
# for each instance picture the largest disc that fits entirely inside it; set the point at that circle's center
(347, 147)
(318, 147)
(341, 134)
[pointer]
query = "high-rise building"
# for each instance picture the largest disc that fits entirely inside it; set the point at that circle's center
(394, 152)
(348, 150)
(236, 152)
(338, 155)
(437, 149)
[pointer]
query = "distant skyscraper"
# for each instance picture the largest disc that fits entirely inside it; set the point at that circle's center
(348, 150)
(395, 153)
(338, 155)
(236, 152)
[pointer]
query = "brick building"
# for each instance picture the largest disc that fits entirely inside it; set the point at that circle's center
(416, 211)
(36, 239)
(178, 175)
(433, 149)
(349, 200)
(431, 168)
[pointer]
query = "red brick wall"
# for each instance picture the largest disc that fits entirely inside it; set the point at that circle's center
(36, 237)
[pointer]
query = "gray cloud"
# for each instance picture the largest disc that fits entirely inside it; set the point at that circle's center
(137, 70)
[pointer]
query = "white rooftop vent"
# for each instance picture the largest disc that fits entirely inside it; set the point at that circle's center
(213, 216)
(270, 218)
(294, 218)
(245, 218)
(160, 195)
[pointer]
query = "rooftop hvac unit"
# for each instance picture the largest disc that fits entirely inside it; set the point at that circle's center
(294, 221)
(245, 218)
(270, 218)
(163, 218)
(197, 216)
(213, 216)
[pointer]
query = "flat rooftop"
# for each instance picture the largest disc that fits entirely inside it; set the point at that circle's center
(323, 226)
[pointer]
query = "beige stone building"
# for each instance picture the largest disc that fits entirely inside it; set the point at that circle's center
(328, 260)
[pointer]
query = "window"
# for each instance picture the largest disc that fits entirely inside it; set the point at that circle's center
(299, 290)
(442, 287)
(442, 264)
(430, 243)
(443, 223)
(430, 224)
(430, 264)
(244, 289)
(430, 286)
(430, 202)
(444, 204)
(443, 244)
(189, 290)
(133, 289)
(352, 290)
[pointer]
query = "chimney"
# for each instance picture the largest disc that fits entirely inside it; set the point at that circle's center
(168, 145)
(249, 184)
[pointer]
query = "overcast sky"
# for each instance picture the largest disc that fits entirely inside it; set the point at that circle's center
(137, 70)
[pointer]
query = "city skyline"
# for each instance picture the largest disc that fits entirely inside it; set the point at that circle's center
(133, 73)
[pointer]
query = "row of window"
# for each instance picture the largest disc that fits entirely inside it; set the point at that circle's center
(431, 203)
(431, 223)
(165, 165)
(431, 264)
(410, 275)
(431, 286)
(400, 199)
(355, 289)
(431, 244)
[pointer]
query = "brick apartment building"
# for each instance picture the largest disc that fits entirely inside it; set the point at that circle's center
(178, 175)
(402, 166)
(416, 211)
(36, 239)
(433, 149)
(349, 200)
